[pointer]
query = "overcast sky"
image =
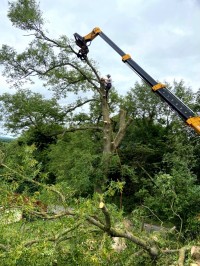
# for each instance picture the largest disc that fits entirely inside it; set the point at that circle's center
(163, 37)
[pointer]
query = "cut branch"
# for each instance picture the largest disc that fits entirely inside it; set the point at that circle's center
(107, 216)
(149, 247)
(182, 252)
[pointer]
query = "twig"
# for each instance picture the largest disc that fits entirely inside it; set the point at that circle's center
(62, 197)
(45, 216)
(149, 176)
(177, 216)
(153, 213)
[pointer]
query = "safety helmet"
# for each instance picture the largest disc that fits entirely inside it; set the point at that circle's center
(108, 75)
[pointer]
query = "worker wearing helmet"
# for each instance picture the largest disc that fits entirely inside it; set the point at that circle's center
(107, 81)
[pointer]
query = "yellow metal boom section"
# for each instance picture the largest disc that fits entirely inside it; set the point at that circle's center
(94, 33)
(194, 122)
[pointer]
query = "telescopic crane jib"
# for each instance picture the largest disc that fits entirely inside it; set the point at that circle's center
(160, 89)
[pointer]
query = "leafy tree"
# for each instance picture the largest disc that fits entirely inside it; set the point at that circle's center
(74, 160)
(150, 168)
(54, 62)
(25, 109)
(176, 194)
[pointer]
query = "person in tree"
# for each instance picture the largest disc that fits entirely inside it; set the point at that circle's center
(107, 81)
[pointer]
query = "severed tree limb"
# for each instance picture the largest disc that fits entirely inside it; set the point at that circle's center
(151, 249)
(146, 245)
(181, 258)
(95, 222)
(106, 215)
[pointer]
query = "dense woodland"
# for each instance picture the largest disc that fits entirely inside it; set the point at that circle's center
(97, 180)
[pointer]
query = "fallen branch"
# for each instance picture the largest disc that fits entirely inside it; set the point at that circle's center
(181, 258)
(107, 216)
(50, 188)
(151, 249)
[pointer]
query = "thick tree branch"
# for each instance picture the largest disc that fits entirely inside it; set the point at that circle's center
(93, 221)
(73, 129)
(182, 252)
(94, 70)
(149, 247)
(70, 109)
(44, 37)
(123, 124)
(107, 216)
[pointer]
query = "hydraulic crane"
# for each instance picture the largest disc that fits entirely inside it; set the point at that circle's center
(160, 89)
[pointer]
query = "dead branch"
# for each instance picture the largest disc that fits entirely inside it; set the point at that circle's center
(123, 124)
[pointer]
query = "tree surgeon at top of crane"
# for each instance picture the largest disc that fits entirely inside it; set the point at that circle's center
(107, 81)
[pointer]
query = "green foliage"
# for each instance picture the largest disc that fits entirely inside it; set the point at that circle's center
(26, 109)
(141, 102)
(176, 194)
(22, 168)
(73, 159)
(25, 14)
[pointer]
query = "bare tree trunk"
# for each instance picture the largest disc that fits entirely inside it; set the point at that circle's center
(110, 142)
(107, 128)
